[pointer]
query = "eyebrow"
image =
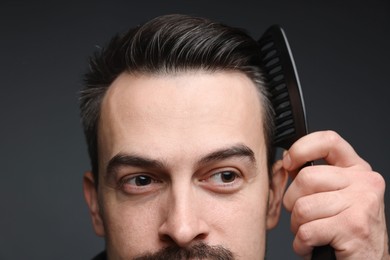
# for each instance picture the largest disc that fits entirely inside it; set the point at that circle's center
(239, 150)
(133, 160)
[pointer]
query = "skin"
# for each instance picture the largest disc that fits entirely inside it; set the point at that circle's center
(341, 203)
(180, 121)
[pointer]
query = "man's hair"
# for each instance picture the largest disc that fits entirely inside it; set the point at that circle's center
(167, 45)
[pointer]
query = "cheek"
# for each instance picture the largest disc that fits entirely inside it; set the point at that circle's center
(240, 223)
(130, 229)
(236, 221)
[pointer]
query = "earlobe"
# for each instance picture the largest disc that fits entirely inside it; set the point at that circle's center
(277, 189)
(91, 197)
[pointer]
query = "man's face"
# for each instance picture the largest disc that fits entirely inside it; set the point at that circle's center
(182, 160)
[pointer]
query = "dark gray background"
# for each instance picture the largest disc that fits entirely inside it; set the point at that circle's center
(342, 54)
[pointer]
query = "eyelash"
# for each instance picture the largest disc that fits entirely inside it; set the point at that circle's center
(212, 181)
(135, 188)
(223, 187)
(222, 174)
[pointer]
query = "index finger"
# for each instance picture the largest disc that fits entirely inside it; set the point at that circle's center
(326, 145)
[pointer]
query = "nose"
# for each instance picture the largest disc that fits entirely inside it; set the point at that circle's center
(184, 223)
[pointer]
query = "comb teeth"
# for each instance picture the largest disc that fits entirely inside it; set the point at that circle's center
(284, 120)
(286, 97)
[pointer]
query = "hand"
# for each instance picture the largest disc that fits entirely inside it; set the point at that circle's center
(341, 204)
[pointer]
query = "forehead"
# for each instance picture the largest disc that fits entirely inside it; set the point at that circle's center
(183, 111)
(182, 92)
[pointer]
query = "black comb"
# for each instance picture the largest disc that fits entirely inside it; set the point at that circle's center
(286, 96)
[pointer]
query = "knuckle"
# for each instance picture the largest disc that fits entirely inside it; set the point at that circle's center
(377, 181)
(302, 209)
(363, 166)
(360, 228)
(304, 234)
(370, 181)
(373, 205)
(358, 224)
(332, 137)
(304, 178)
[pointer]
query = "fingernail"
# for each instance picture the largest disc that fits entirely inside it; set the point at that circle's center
(286, 160)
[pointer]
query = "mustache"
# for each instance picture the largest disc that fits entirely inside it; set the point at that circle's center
(197, 251)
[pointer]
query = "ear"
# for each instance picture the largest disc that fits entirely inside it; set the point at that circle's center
(91, 197)
(277, 188)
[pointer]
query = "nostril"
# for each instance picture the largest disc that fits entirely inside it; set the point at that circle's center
(201, 236)
(167, 240)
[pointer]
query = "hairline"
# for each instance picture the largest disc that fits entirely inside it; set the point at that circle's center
(164, 46)
(178, 72)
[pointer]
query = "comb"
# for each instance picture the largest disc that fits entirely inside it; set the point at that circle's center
(286, 96)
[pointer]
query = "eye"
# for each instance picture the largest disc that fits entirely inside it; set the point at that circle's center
(224, 181)
(140, 180)
(224, 177)
(138, 184)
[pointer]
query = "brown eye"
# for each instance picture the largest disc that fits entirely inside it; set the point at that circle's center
(140, 184)
(140, 180)
(224, 177)
(228, 176)
(226, 180)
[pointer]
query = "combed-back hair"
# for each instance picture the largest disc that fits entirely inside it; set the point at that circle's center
(167, 45)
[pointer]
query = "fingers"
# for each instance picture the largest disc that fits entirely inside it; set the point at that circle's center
(311, 234)
(326, 145)
(315, 207)
(315, 179)
(340, 204)
(357, 232)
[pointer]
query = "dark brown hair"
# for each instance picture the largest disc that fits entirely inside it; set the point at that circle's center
(170, 44)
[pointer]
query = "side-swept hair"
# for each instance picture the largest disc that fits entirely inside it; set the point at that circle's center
(166, 45)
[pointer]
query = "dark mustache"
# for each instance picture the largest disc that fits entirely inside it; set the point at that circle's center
(197, 251)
